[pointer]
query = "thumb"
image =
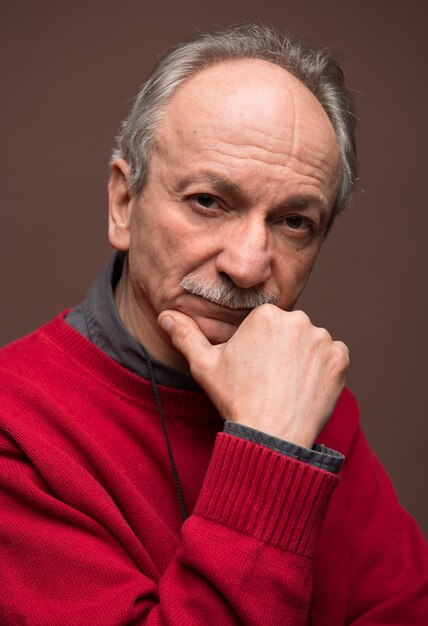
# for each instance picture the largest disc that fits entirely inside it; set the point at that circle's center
(185, 335)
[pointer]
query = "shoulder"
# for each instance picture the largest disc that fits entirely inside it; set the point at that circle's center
(31, 368)
(22, 355)
(41, 379)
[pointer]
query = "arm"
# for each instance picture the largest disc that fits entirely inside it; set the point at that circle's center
(243, 558)
(387, 569)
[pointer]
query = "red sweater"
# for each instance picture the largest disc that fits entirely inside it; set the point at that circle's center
(90, 527)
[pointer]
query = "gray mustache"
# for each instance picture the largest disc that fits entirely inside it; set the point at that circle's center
(226, 293)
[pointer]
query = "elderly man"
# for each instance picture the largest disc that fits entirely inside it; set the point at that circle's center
(171, 449)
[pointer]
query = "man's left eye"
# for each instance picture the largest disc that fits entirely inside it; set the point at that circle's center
(297, 222)
(204, 200)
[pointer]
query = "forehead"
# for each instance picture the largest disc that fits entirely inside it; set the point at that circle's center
(246, 94)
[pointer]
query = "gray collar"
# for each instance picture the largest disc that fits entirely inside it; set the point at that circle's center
(98, 320)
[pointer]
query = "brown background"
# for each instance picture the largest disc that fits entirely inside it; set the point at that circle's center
(70, 70)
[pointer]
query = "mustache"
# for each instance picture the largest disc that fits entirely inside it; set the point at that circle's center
(225, 293)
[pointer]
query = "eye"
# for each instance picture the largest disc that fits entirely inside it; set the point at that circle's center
(298, 226)
(205, 204)
(297, 222)
(205, 200)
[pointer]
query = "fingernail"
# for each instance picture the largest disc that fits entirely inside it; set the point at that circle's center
(166, 323)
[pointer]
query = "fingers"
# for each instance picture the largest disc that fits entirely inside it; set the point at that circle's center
(185, 335)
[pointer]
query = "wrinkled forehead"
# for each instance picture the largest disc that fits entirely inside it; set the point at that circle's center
(245, 95)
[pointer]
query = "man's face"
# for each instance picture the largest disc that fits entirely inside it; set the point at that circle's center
(240, 188)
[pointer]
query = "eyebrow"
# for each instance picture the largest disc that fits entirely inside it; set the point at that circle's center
(305, 202)
(325, 212)
(218, 184)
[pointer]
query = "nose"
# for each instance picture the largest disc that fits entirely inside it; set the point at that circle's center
(246, 253)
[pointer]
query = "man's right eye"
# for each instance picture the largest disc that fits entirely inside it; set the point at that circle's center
(205, 204)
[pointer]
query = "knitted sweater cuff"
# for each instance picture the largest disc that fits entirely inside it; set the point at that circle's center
(266, 495)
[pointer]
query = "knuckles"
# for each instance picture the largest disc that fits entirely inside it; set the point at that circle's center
(340, 357)
(295, 323)
(266, 312)
(295, 331)
(323, 336)
(300, 318)
(270, 313)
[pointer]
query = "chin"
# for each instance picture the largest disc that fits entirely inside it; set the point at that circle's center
(216, 331)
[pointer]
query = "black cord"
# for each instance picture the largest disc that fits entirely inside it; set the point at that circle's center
(165, 433)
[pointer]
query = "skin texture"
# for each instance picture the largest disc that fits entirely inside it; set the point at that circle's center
(241, 185)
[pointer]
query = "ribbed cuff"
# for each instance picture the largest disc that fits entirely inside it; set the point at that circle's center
(261, 493)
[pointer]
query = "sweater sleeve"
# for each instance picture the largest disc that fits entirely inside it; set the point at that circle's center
(245, 556)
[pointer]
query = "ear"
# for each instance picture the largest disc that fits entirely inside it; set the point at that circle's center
(121, 202)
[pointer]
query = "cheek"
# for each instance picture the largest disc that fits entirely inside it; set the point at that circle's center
(167, 241)
(293, 274)
(152, 245)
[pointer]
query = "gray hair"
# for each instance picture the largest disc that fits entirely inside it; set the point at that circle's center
(316, 69)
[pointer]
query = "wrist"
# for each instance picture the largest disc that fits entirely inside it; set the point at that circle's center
(299, 435)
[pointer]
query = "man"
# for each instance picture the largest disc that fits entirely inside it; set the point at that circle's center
(228, 173)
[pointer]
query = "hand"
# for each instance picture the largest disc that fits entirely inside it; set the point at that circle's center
(278, 373)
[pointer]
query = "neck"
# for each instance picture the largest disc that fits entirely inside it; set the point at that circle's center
(140, 320)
